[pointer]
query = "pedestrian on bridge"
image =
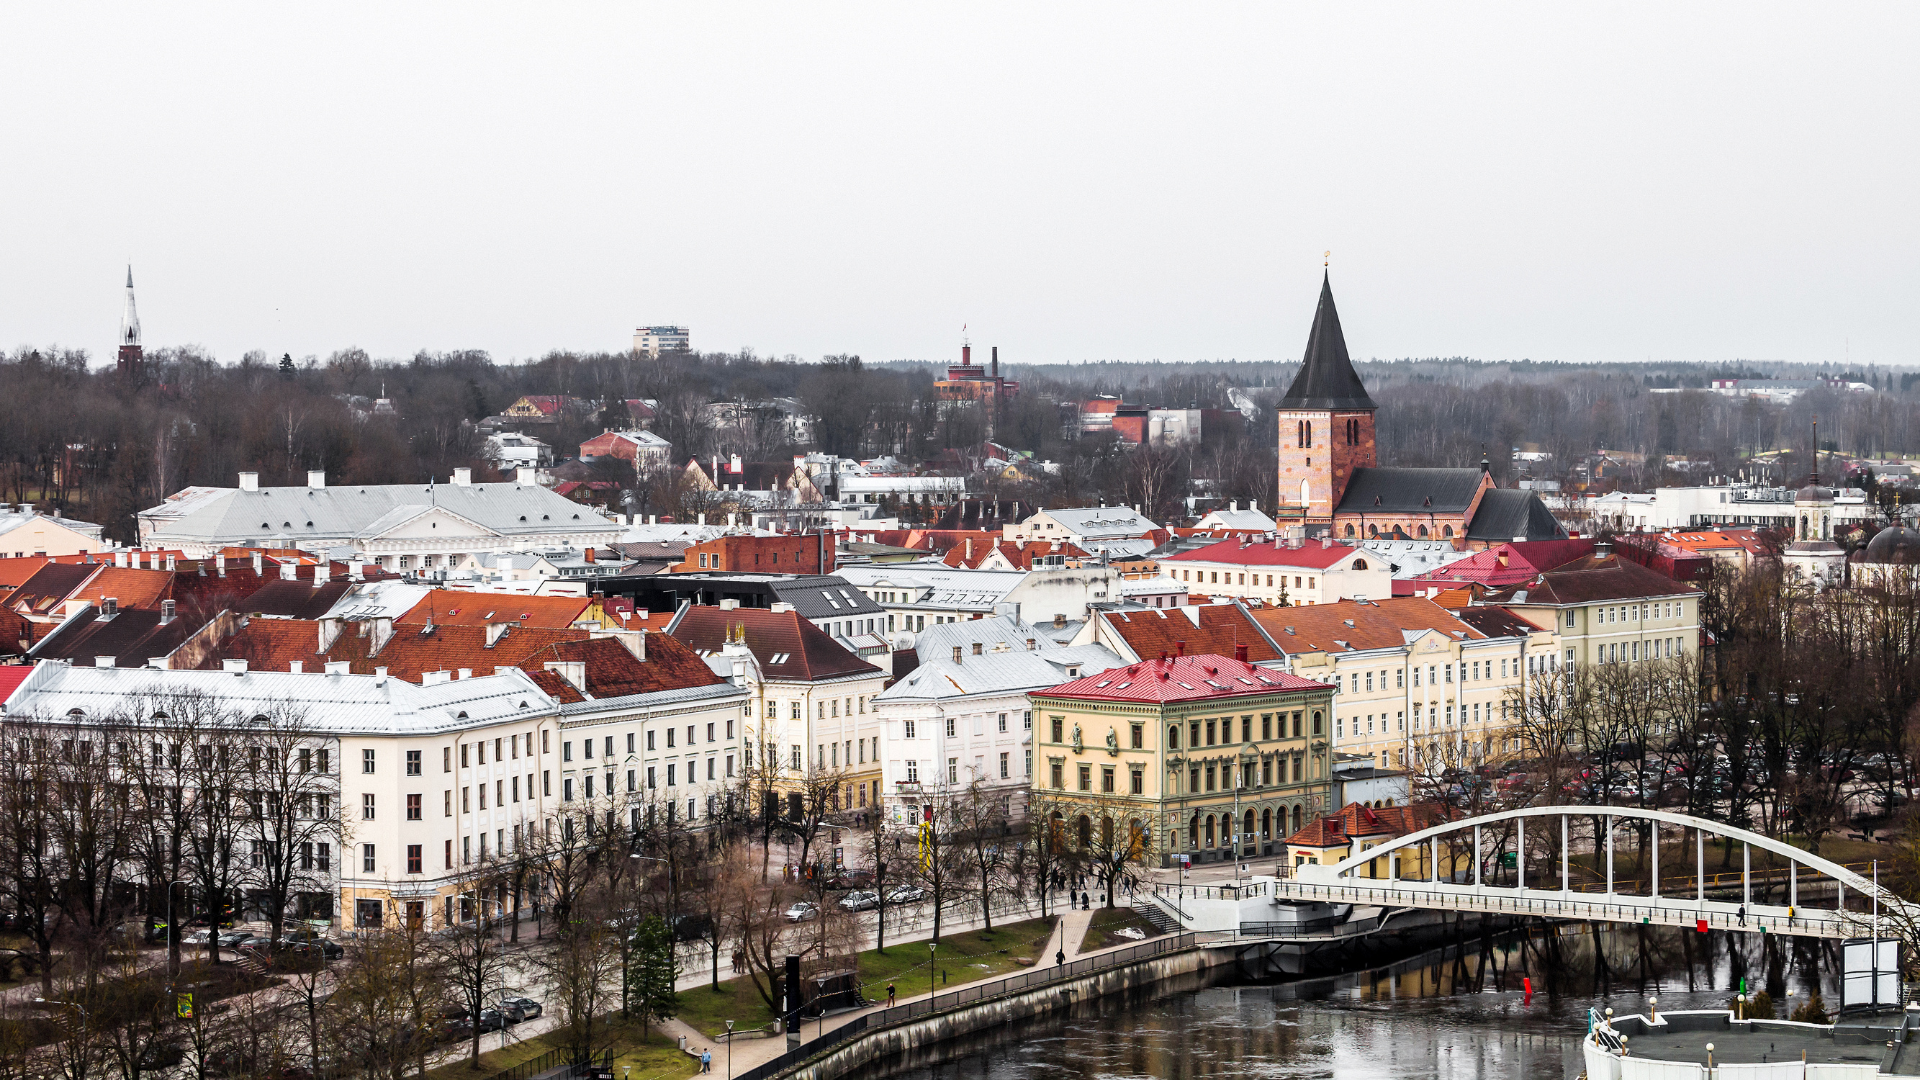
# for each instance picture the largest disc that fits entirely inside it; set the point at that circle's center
(1743, 914)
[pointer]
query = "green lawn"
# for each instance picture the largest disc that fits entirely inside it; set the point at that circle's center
(1106, 920)
(961, 958)
(656, 1056)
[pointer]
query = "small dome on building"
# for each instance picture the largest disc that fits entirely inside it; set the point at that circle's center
(1894, 544)
(1812, 493)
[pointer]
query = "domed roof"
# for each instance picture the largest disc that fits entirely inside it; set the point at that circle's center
(1813, 493)
(1896, 545)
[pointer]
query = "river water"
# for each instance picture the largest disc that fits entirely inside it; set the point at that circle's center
(1456, 1012)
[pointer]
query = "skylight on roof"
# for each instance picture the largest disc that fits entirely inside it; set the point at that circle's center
(1183, 686)
(1123, 686)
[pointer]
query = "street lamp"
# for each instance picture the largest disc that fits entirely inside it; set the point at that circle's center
(729, 1050)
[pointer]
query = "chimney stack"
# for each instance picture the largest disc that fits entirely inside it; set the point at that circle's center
(1179, 648)
(966, 356)
(316, 478)
(249, 481)
(996, 361)
(1240, 653)
(463, 477)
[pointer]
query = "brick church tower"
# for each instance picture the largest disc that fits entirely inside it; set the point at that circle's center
(131, 354)
(1326, 424)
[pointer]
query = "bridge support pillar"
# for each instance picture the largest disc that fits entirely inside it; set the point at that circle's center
(1700, 866)
(1609, 854)
(1520, 853)
(1565, 851)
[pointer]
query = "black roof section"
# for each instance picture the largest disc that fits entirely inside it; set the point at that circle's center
(1512, 514)
(1326, 379)
(1411, 491)
(814, 596)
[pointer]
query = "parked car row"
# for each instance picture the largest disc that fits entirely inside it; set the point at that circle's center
(456, 1023)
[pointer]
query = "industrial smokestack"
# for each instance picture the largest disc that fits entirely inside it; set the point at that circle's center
(966, 355)
(996, 361)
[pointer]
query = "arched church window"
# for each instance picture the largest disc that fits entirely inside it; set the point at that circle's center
(1446, 531)
(1349, 532)
(1422, 532)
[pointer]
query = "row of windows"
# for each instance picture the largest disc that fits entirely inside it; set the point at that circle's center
(911, 728)
(1311, 581)
(1220, 730)
(715, 767)
(826, 708)
(606, 744)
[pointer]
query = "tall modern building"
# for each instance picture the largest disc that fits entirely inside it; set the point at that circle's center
(654, 340)
(130, 352)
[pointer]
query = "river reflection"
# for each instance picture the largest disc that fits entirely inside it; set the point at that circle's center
(1456, 1012)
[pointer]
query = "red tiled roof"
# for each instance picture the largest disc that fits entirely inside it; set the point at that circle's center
(1355, 820)
(412, 651)
(1509, 563)
(1183, 678)
(132, 588)
(556, 687)
(785, 645)
(1159, 631)
(1592, 579)
(448, 607)
(613, 671)
(11, 676)
(1496, 621)
(1021, 556)
(1308, 556)
(46, 587)
(1377, 624)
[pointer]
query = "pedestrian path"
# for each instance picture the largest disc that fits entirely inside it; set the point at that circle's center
(750, 1052)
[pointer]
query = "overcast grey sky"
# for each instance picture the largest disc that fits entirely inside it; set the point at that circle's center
(1693, 182)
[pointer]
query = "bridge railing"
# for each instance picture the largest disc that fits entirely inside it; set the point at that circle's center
(1573, 906)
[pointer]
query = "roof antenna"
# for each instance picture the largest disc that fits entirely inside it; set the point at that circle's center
(1326, 259)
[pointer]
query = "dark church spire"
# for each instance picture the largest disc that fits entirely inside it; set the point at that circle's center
(1327, 379)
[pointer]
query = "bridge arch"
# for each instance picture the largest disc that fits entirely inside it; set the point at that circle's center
(1344, 870)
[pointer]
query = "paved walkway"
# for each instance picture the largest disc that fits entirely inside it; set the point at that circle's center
(751, 1051)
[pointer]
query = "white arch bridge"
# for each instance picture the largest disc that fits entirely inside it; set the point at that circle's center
(1461, 866)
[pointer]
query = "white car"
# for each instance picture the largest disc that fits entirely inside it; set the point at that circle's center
(906, 894)
(801, 912)
(861, 900)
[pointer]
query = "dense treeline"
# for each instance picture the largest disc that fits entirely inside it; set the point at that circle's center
(100, 448)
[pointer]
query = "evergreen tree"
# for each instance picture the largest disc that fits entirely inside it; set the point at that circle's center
(652, 971)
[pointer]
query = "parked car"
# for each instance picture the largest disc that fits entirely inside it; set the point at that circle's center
(251, 941)
(516, 1009)
(196, 936)
(231, 938)
(851, 879)
(906, 894)
(801, 912)
(491, 1020)
(861, 900)
(694, 927)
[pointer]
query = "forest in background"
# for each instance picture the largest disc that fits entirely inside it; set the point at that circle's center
(77, 437)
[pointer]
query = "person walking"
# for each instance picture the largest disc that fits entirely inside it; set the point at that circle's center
(890, 993)
(1743, 914)
(706, 1060)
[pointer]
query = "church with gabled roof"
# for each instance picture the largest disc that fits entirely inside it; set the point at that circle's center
(1330, 480)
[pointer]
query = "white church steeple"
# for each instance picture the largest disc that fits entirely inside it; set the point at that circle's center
(131, 353)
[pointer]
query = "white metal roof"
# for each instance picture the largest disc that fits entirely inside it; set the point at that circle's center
(326, 704)
(232, 515)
